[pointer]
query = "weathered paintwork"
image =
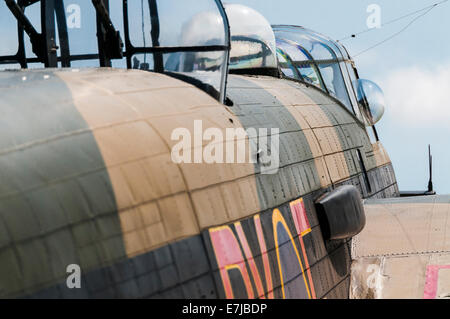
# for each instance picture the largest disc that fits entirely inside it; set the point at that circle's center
(87, 178)
(404, 250)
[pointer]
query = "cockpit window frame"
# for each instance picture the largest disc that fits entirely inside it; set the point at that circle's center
(110, 45)
(342, 60)
(311, 61)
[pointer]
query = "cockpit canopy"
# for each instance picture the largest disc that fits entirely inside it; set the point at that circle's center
(252, 39)
(157, 35)
(198, 44)
(315, 59)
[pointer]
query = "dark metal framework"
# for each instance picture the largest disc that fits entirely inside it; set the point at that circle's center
(44, 44)
(110, 44)
(158, 50)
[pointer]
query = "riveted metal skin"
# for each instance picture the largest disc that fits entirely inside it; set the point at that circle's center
(87, 178)
(404, 251)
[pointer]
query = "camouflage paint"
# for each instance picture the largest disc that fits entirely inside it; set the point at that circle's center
(57, 206)
(148, 227)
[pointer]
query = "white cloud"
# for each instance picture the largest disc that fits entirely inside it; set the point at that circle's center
(418, 96)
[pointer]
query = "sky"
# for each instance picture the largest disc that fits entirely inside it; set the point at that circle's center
(413, 69)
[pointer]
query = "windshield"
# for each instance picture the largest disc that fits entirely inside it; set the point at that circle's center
(310, 57)
(170, 36)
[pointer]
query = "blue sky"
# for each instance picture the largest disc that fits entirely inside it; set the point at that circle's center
(413, 69)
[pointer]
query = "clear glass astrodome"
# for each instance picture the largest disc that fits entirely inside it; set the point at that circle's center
(371, 101)
(204, 28)
(252, 39)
